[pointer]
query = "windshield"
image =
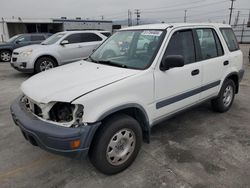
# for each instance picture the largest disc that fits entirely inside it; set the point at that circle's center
(129, 49)
(53, 39)
(13, 38)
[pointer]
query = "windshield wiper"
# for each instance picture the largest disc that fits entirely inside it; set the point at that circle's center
(92, 60)
(107, 62)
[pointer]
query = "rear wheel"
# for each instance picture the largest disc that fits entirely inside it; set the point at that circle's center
(5, 56)
(116, 144)
(44, 64)
(226, 96)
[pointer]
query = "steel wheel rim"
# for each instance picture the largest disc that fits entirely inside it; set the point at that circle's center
(46, 65)
(120, 147)
(228, 96)
(5, 56)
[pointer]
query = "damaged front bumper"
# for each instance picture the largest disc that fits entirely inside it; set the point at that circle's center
(51, 137)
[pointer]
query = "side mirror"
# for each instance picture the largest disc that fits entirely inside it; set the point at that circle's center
(64, 42)
(172, 61)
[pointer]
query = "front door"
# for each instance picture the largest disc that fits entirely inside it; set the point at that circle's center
(178, 88)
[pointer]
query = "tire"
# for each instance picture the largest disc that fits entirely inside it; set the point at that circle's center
(107, 54)
(111, 154)
(225, 98)
(5, 56)
(44, 63)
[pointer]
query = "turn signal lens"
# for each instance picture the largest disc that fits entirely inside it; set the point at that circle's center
(75, 144)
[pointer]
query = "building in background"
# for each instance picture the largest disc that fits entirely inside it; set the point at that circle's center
(14, 26)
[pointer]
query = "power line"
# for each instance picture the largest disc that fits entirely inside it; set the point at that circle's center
(187, 8)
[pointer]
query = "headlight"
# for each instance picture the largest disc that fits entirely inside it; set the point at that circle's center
(66, 113)
(26, 52)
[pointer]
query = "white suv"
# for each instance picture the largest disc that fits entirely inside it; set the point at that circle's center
(61, 48)
(104, 106)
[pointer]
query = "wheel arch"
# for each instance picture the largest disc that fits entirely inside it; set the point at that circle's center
(134, 110)
(46, 55)
(235, 77)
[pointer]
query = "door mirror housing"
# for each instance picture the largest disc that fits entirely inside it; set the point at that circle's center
(172, 61)
(64, 42)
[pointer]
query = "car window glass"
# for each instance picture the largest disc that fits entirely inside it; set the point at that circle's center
(207, 43)
(107, 34)
(37, 38)
(90, 37)
(181, 43)
(230, 39)
(24, 38)
(74, 38)
(220, 50)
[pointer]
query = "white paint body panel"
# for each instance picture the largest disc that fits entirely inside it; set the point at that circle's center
(101, 88)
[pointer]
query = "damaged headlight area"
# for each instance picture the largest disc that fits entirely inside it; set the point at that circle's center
(61, 113)
(66, 113)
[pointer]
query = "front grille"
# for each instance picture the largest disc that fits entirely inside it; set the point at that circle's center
(14, 59)
(32, 107)
(15, 53)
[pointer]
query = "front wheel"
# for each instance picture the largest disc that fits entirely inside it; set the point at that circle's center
(44, 64)
(5, 56)
(226, 96)
(116, 144)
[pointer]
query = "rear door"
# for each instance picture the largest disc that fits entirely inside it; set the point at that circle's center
(89, 42)
(178, 88)
(214, 62)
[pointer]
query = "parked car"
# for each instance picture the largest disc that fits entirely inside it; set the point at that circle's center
(105, 106)
(18, 41)
(61, 48)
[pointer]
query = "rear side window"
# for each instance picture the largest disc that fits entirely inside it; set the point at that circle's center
(209, 43)
(90, 37)
(230, 39)
(182, 43)
(107, 34)
(37, 38)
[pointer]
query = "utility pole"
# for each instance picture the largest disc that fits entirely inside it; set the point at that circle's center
(237, 19)
(242, 32)
(138, 16)
(129, 18)
(185, 16)
(231, 11)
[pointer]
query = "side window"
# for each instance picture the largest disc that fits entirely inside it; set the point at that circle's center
(209, 43)
(182, 43)
(90, 37)
(74, 38)
(37, 38)
(24, 38)
(230, 39)
(219, 45)
(107, 34)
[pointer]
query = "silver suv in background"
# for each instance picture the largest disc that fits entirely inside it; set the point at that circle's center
(61, 48)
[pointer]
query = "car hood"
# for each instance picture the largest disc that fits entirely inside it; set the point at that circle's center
(31, 47)
(68, 82)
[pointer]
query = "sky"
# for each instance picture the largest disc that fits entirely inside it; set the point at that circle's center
(151, 10)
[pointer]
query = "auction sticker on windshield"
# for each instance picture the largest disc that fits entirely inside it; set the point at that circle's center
(151, 33)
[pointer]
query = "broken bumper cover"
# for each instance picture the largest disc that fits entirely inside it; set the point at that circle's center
(50, 137)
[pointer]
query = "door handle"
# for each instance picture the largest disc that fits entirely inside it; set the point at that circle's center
(80, 46)
(195, 72)
(226, 63)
